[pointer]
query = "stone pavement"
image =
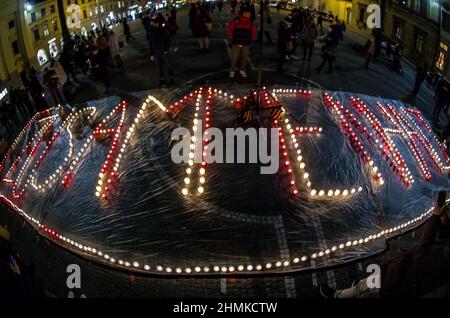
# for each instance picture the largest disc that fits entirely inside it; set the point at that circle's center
(195, 68)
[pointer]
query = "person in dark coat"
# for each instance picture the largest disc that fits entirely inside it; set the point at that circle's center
(284, 42)
(99, 68)
(413, 273)
(421, 74)
(51, 81)
(37, 92)
(126, 30)
(199, 25)
(159, 48)
(5, 119)
(442, 100)
(328, 53)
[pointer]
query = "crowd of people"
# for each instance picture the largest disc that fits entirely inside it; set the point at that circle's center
(301, 27)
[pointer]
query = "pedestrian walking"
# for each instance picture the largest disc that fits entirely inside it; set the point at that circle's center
(328, 53)
(369, 48)
(241, 32)
(126, 31)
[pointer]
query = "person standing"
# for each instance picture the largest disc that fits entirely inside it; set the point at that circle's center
(309, 37)
(99, 69)
(284, 43)
(114, 49)
(126, 30)
(220, 5)
(173, 14)
(421, 74)
(200, 29)
(51, 81)
(442, 101)
(320, 23)
(37, 92)
(159, 48)
(369, 48)
(241, 32)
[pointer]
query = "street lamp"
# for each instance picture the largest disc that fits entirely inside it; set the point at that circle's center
(28, 6)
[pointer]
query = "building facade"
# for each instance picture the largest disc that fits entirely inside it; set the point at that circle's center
(13, 53)
(415, 24)
(31, 32)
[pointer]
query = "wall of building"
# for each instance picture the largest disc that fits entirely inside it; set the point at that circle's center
(13, 57)
(417, 31)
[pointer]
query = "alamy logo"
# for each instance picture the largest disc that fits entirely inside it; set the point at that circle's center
(374, 279)
(240, 145)
(73, 16)
(374, 18)
(73, 281)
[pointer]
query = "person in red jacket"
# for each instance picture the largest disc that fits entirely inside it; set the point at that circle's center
(241, 32)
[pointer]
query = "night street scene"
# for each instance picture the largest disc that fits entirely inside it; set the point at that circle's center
(218, 149)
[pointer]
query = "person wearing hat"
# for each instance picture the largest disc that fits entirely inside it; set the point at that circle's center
(241, 32)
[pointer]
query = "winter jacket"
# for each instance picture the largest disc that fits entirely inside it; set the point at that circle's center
(241, 31)
(310, 33)
(284, 37)
(198, 25)
(159, 40)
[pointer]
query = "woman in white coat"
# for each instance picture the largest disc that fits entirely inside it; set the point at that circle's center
(114, 49)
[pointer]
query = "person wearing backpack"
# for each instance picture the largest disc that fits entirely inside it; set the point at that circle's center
(241, 32)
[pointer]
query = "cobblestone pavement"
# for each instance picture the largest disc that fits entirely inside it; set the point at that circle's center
(195, 68)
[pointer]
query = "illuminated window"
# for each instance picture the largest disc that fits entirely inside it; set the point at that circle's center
(42, 57)
(442, 56)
